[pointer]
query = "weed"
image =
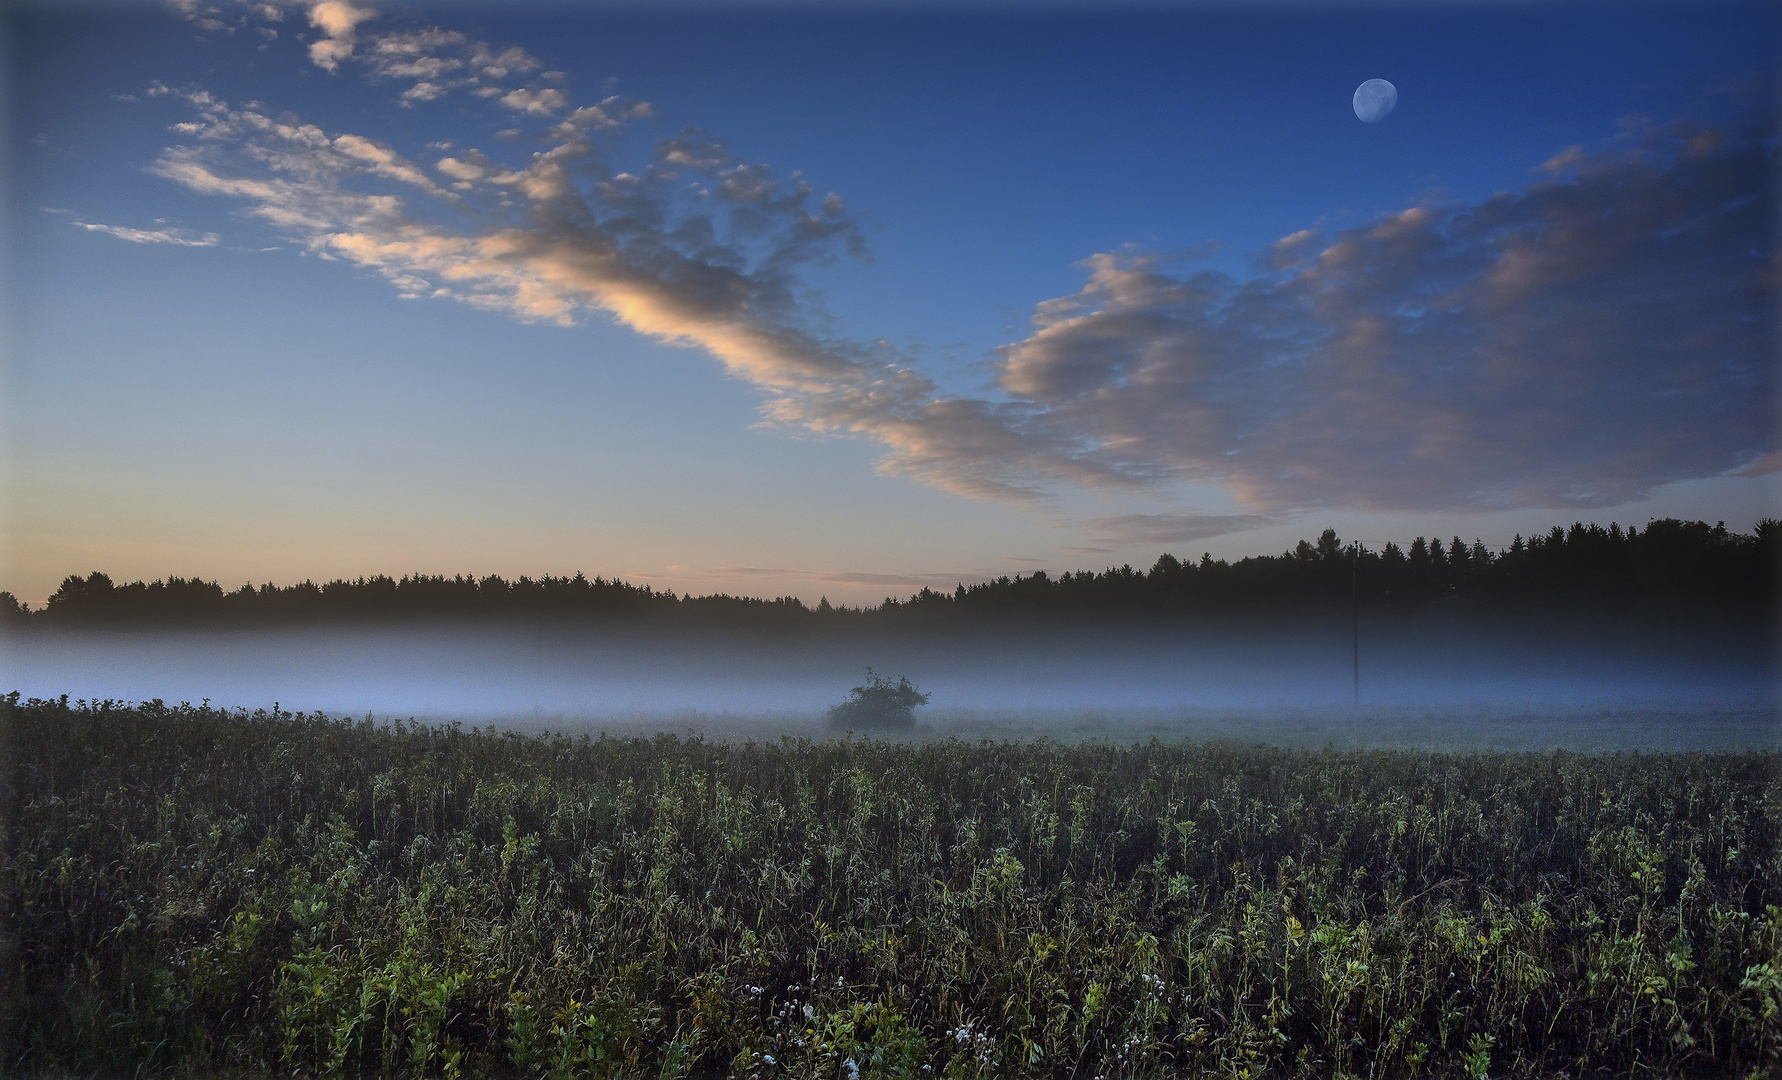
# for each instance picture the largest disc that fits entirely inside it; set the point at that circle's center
(191, 889)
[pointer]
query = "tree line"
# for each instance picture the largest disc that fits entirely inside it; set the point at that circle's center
(1671, 564)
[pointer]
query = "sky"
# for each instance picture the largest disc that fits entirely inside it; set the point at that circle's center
(847, 300)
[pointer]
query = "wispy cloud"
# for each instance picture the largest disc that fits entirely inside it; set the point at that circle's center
(433, 61)
(748, 574)
(1577, 343)
(180, 237)
(905, 581)
(690, 247)
(1174, 528)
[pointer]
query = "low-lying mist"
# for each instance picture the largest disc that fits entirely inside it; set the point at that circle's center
(1577, 683)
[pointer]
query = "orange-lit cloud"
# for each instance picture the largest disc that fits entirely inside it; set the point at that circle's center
(1604, 331)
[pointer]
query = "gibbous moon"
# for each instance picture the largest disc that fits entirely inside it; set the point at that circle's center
(1374, 99)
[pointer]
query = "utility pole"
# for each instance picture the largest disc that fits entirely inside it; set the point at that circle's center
(1355, 615)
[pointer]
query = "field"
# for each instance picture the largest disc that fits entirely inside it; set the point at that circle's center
(195, 890)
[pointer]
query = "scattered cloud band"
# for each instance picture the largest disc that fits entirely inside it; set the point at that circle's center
(1606, 330)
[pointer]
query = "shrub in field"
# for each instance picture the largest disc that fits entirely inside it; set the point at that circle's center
(190, 890)
(880, 703)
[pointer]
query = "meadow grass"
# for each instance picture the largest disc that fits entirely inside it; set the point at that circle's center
(198, 890)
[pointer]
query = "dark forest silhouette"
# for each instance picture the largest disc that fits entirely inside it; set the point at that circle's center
(1669, 566)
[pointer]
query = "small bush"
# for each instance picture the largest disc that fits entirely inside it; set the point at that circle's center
(881, 703)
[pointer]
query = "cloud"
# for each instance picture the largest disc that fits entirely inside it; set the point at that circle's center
(542, 102)
(434, 61)
(944, 582)
(338, 20)
(1575, 344)
(694, 151)
(907, 581)
(1763, 466)
(422, 91)
(1174, 528)
(829, 576)
(469, 168)
(437, 62)
(381, 161)
(1565, 159)
(536, 240)
(179, 237)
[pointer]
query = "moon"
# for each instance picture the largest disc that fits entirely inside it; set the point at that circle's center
(1374, 99)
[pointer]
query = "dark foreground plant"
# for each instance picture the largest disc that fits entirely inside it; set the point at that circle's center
(189, 889)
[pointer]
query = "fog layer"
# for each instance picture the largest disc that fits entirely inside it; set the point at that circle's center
(1235, 679)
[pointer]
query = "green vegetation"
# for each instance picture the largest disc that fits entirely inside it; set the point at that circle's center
(190, 889)
(1668, 567)
(880, 703)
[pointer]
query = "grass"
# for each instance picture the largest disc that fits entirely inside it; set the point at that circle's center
(191, 889)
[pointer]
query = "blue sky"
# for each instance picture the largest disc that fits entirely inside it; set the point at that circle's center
(844, 302)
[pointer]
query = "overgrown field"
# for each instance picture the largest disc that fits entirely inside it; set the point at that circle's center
(191, 889)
